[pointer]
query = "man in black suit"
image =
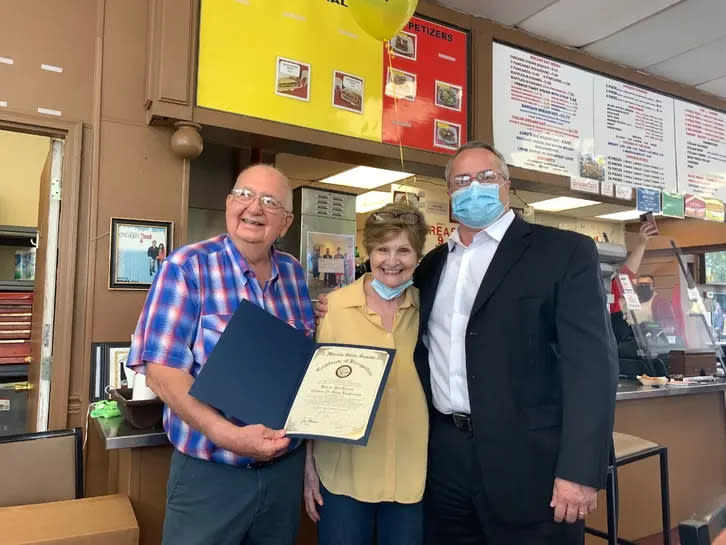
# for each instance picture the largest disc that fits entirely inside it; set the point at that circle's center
(519, 365)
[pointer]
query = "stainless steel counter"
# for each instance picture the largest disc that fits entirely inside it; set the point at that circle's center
(631, 389)
(117, 433)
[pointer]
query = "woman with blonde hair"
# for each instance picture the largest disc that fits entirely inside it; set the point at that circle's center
(352, 490)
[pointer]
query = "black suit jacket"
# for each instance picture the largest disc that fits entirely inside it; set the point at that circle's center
(541, 367)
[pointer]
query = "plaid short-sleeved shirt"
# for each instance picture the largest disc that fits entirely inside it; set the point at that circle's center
(194, 295)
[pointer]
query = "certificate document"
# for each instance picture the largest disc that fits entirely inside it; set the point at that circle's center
(263, 371)
(339, 393)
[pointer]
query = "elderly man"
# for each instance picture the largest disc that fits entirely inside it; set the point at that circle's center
(229, 483)
(519, 365)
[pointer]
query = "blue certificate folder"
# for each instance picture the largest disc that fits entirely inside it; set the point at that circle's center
(256, 368)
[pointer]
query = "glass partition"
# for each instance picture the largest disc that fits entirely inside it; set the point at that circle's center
(672, 316)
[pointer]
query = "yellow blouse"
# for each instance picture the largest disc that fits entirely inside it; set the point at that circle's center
(392, 466)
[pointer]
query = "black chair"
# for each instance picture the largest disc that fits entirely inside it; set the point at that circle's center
(41, 467)
(705, 530)
(629, 449)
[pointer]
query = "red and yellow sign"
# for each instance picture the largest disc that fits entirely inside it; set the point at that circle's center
(307, 63)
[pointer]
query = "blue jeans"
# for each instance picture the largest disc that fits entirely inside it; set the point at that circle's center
(346, 521)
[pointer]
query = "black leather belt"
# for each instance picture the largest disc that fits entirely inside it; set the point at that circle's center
(461, 421)
(273, 461)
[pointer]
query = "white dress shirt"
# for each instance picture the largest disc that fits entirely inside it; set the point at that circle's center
(446, 332)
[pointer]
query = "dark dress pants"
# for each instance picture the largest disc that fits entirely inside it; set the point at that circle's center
(457, 510)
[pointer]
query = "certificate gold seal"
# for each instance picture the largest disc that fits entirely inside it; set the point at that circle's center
(343, 371)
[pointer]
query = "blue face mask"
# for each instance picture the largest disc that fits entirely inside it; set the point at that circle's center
(477, 205)
(387, 292)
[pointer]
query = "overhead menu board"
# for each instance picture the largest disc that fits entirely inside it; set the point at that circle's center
(542, 113)
(308, 63)
(634, 135)
(700, 150)
(553, 117)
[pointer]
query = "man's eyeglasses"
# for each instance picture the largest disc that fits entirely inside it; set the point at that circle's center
(408, 218)
(484, 177)
(244, 195)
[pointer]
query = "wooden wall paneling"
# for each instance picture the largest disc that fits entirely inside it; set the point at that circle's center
(140, 178)
(687, 233)
(172, 58)
(480, 91)
(248, 132)
(80, 352)
(125, 36)
(61, 34)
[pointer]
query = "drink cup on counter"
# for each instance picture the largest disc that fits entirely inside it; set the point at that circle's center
(141, 390)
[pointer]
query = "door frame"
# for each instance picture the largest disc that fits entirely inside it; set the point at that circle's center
(72, 134)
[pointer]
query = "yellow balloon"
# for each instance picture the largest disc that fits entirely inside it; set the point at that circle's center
(382, 19)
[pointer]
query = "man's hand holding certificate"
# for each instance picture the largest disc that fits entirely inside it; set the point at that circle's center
(262, 371)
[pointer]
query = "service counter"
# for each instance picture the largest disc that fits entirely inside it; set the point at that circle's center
(689, 420)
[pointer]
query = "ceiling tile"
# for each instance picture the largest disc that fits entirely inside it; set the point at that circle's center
(717, 87)
(580, 22)
(680, 28)
(507, 13)
(699, 65)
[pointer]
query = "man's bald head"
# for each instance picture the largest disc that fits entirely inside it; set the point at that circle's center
(276, 183)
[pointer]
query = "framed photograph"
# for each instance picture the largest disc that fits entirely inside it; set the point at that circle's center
(404, 45)
(448, 95)
(348, 92)
(330, 262)
(292, 79)
(137, 249)
(108, 368)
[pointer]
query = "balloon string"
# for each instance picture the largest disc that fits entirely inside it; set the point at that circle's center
(399, 130)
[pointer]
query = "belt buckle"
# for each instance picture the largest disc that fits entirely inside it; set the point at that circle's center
(461, 421)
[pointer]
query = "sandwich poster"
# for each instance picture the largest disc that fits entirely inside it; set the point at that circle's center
(308, 63)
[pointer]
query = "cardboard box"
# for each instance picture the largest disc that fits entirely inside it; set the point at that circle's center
(107, 520)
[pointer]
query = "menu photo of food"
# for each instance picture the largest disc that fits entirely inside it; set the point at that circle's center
(404, 45)
(446, 134)
(714, 210)
(348, 91)
(592, 167)
(448, 95)
(695, 207)
(400, 84)
(292, 79)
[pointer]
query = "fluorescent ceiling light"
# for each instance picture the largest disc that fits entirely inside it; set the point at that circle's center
(558, 204)
(366, 177)
(372, 200)
(622, 216)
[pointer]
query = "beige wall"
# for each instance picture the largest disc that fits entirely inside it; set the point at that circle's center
(21, 160)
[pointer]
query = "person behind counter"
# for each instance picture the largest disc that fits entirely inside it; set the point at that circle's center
(518, 363)
(228, 483)
(380, 485)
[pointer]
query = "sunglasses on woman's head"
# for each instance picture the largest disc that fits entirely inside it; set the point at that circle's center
(409, 218)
